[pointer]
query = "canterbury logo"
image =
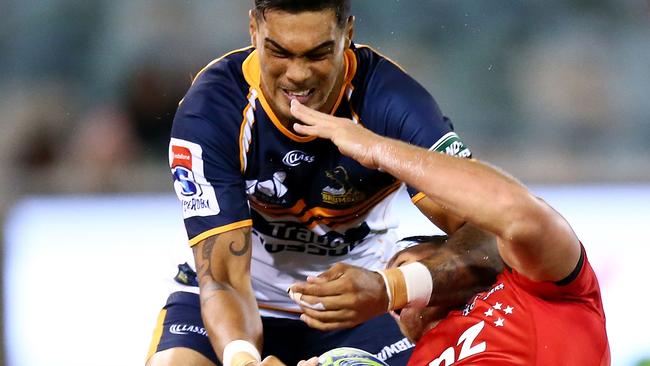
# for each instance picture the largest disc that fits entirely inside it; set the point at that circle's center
(295, 157)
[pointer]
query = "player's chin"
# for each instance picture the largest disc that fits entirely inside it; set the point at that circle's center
(414, 323)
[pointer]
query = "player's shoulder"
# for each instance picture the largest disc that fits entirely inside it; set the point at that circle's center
(227, 67)
(215, 101)
(580, 285)
(374, 66)
(382, 80)
(391, 102)
(221, 82)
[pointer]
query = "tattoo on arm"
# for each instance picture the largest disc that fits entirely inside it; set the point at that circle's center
(243, 250)
(210, 290)
(204, 265)
(210, 286)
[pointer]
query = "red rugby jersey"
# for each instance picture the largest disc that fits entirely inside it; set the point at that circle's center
(521, 322)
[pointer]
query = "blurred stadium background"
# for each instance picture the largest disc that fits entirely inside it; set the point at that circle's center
(554, 92)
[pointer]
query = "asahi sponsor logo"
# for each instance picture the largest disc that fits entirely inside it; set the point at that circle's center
(184, 329)
(295, 157)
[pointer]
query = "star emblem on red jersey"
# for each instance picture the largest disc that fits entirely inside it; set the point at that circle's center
(497, 306)
(508, 310)
(499, 322)
(488, 312)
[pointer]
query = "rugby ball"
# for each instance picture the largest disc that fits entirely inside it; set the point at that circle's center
(347, 356)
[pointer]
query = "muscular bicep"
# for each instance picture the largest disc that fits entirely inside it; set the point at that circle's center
(540, 244)
(443, 219)
(223, 260)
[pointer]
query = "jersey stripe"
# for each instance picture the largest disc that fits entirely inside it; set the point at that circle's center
(443, 139)
(157, 334)
(324, 216)
(415, 199)
(246, 129)
(221, 229)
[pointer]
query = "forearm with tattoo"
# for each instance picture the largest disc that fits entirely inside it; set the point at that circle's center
(213, 281)
(228, 305)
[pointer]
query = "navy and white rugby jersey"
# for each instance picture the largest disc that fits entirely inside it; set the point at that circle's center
(235, 165)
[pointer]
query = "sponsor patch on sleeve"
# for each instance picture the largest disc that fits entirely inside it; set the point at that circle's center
(195, 192)
(451, 144)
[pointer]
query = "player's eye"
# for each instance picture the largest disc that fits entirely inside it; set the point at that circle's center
(278, 53)
(318, 56)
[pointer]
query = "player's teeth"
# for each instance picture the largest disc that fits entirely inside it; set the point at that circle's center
(300, 93)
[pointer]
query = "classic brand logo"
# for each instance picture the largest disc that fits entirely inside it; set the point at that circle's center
(183, 329)
(295, 157)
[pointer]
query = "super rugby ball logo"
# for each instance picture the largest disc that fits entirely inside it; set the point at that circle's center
(197, 195)
(182, 171)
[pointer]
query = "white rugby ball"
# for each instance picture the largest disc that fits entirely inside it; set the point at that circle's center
(348, 356)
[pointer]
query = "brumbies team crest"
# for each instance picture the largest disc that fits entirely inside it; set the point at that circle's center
(340, 191)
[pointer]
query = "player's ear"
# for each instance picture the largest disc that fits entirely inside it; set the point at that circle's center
(349, 30)
(252, 26)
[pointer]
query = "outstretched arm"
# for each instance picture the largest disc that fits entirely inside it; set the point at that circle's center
(532, 238)
(228, 305)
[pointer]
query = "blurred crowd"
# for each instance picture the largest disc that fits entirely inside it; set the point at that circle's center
(552, 91)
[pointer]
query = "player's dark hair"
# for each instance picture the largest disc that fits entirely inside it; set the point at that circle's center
(340, 7)
(431, 239)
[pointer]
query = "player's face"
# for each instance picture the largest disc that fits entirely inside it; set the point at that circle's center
(415, 322)
(301, 57)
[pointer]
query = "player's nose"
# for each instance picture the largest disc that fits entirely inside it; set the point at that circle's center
(298, 72)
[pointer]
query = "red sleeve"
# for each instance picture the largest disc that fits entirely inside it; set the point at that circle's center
(581, 284)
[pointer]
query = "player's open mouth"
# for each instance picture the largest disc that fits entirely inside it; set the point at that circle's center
(300, 95)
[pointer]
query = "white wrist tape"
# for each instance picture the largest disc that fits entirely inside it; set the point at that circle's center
(388, 291)
(408, 286)
(419, 284)
(240, 353)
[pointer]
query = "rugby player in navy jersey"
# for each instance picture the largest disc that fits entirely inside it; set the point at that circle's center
(266, 208)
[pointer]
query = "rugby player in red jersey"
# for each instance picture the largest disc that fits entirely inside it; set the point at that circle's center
(544, 309)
